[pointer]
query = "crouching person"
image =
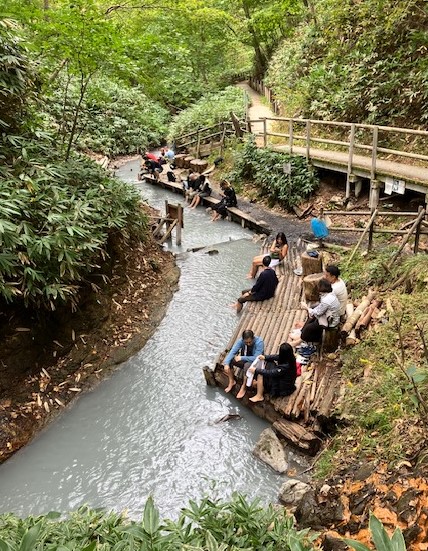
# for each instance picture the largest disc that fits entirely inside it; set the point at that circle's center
(241, 355)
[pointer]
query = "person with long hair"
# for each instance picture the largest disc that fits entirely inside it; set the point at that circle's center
(278, 378)
(278, 251)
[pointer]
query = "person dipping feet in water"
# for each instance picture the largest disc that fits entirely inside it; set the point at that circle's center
(278, 378)
(277, 252)
(241, 355)
(264, 287)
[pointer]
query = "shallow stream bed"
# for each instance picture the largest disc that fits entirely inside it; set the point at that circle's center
(150, 428)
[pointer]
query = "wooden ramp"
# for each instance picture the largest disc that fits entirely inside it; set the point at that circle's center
(301, 417)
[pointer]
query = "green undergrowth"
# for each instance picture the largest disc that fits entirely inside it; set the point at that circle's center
(383, 411)
(278, 177)
(235, 525)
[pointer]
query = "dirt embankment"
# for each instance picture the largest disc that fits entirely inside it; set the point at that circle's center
(47, 360)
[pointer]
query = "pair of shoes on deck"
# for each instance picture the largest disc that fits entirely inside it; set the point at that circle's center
(306, 350)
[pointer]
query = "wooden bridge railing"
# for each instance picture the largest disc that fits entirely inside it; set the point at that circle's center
(369, 139)
(216, 133)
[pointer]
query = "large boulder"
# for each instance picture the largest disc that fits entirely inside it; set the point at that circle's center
(270, 450)
(292, 492)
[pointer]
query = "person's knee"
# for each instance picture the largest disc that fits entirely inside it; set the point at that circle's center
(227, 369)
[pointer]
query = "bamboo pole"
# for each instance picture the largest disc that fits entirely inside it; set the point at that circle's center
(407, 237)
(373, 216)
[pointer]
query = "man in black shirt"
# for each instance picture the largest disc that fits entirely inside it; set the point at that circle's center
(264, 287)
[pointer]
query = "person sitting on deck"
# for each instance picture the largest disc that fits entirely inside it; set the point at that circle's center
(154, 167)
(325, 314)
(241, 355)
(332, 274)
(277, 252)
(278, 378)
(204, 190)
(264, 287)
(192, 185)
(228, 200)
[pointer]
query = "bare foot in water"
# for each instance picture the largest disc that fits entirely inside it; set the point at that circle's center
(241, 393)
(256, 398)
(229, 388)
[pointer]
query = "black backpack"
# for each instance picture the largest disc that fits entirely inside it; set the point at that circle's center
(171, 176)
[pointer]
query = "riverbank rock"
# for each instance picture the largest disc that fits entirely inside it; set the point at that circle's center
(270, 450)
(292, 492)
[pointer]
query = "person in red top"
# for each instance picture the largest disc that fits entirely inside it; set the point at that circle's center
(151, 156)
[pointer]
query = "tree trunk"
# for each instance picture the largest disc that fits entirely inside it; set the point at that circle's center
(310, 287)
(261, 61)
(311, 265)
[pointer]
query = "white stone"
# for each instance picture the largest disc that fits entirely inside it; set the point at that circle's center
(270, 450)
(292, 492)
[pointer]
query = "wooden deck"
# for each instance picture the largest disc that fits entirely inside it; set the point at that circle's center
(302, 417)
(234, 214)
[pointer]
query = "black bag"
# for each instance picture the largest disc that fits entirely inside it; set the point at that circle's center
(171, 176)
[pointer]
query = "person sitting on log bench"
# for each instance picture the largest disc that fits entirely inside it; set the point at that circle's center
(278, 378)
(204, 190)
(228, 200)
(192, 185)
(278, 251)
(264, 287)
(325, 314)
(332, 274)
(241, 355)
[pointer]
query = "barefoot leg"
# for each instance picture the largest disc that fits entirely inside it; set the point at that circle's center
(231, 378)
(242, 390)
(260, 388)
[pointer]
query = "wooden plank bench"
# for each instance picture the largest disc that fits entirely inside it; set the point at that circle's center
(234, 213)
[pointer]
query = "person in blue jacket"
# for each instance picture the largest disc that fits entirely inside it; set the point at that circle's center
(241, 355)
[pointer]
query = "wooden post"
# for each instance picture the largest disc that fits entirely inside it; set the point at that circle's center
(373, 216)
(179, 225)
(374, 194)
(308, 139)
(407, 236)
(290, 135)
(264, 132)
(198, 145)
(374, 152)
(350, 157)
(418, 233)
(371, 230)
(209, 376)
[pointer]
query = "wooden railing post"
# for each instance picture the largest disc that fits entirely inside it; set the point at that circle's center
(308, 139)
(374, 153)
(198, 146)
(290, 135)
(350, 157)
(371, 230)
(264, 132)
(418, 231)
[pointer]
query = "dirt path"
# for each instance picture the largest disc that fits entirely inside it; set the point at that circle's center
(258, 109)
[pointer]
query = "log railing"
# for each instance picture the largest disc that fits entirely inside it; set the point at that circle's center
(416, 227)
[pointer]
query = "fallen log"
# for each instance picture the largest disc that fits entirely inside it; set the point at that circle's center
(298, 436)
(355, 316)
(365, 320)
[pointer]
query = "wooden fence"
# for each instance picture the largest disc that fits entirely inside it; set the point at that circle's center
(416, 227)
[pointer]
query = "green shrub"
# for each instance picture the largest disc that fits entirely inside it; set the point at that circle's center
(56, 219)
(115, 118)
(214, 525)
(265, 169)
(209, 110)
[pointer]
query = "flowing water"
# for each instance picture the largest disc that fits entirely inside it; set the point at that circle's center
(150, 428)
